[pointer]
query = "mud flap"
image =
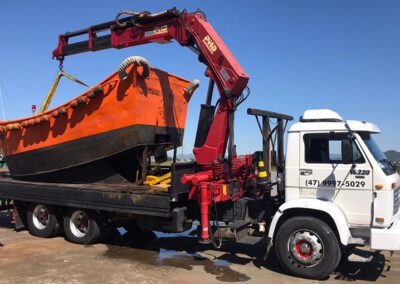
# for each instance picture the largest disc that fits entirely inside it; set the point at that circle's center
(19, 217)
(268, 248)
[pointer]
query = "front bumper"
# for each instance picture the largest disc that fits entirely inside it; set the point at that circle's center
(386, 238)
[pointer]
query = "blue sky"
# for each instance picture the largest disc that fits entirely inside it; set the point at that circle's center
(341, 54)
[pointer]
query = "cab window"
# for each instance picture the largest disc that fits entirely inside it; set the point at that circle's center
(327, 149)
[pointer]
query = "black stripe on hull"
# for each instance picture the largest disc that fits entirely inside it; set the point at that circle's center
(92, 158)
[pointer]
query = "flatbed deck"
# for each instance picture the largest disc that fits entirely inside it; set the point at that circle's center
(123, 198)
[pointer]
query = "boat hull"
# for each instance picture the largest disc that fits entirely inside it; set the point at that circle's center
(101, 134)
(93, 158)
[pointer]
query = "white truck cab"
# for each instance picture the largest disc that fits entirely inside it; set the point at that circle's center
(334, 173)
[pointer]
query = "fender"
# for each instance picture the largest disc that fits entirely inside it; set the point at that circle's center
(319, 205)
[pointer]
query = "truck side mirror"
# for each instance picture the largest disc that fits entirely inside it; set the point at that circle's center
(347, 151)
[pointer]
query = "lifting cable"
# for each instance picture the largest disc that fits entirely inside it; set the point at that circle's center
(53, 88)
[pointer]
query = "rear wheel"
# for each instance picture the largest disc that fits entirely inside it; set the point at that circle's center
(307, 247)
(82, 226)
(43, 220)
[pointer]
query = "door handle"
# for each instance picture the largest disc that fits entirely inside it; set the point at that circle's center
(305, 172)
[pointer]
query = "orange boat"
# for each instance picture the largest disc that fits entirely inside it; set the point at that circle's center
(106, 134)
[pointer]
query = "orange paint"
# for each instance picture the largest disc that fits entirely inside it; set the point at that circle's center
(158, 100)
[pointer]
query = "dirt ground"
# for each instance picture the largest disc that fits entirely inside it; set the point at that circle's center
(166, 259)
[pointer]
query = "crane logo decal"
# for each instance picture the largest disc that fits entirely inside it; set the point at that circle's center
(156, 31)
(210, 44)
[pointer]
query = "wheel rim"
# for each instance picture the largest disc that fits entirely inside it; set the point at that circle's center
(306, 247)
(40, 216)
(79, 223)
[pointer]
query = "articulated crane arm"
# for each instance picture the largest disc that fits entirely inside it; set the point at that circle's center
(188, 29)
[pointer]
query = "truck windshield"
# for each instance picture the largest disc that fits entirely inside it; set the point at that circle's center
(379, 156)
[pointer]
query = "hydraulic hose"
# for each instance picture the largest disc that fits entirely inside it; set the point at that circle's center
(215, 244)
(124, 12)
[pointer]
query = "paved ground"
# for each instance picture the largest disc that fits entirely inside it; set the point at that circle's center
(177, 259)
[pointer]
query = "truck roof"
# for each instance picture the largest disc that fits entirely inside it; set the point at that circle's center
(328, 120)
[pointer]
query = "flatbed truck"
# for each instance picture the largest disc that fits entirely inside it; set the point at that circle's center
(334, 190)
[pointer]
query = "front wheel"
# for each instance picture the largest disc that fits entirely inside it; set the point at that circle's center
(307, 247)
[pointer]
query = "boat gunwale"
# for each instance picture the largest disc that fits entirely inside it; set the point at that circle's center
(101, 84)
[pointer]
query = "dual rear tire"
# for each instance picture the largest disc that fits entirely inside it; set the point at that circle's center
(88, 227)
(43, 220)
(80, 226)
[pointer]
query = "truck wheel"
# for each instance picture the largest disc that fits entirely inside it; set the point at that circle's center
(307, 247)
(42, 220)
(82, 226)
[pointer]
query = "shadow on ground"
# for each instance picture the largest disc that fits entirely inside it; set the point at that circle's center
(365, 271)
(185, 252)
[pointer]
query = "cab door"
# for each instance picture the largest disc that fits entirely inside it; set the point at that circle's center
(324, 175)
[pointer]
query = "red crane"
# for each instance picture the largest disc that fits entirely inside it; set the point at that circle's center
(215, 127)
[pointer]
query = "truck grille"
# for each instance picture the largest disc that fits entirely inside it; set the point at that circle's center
(396, 200)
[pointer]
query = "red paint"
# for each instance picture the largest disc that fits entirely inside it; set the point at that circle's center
(219, 184)
(215, 145)
(303, 255)
(13, 214)
(204, 205)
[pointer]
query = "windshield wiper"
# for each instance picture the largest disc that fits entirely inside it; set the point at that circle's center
(389, 164)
